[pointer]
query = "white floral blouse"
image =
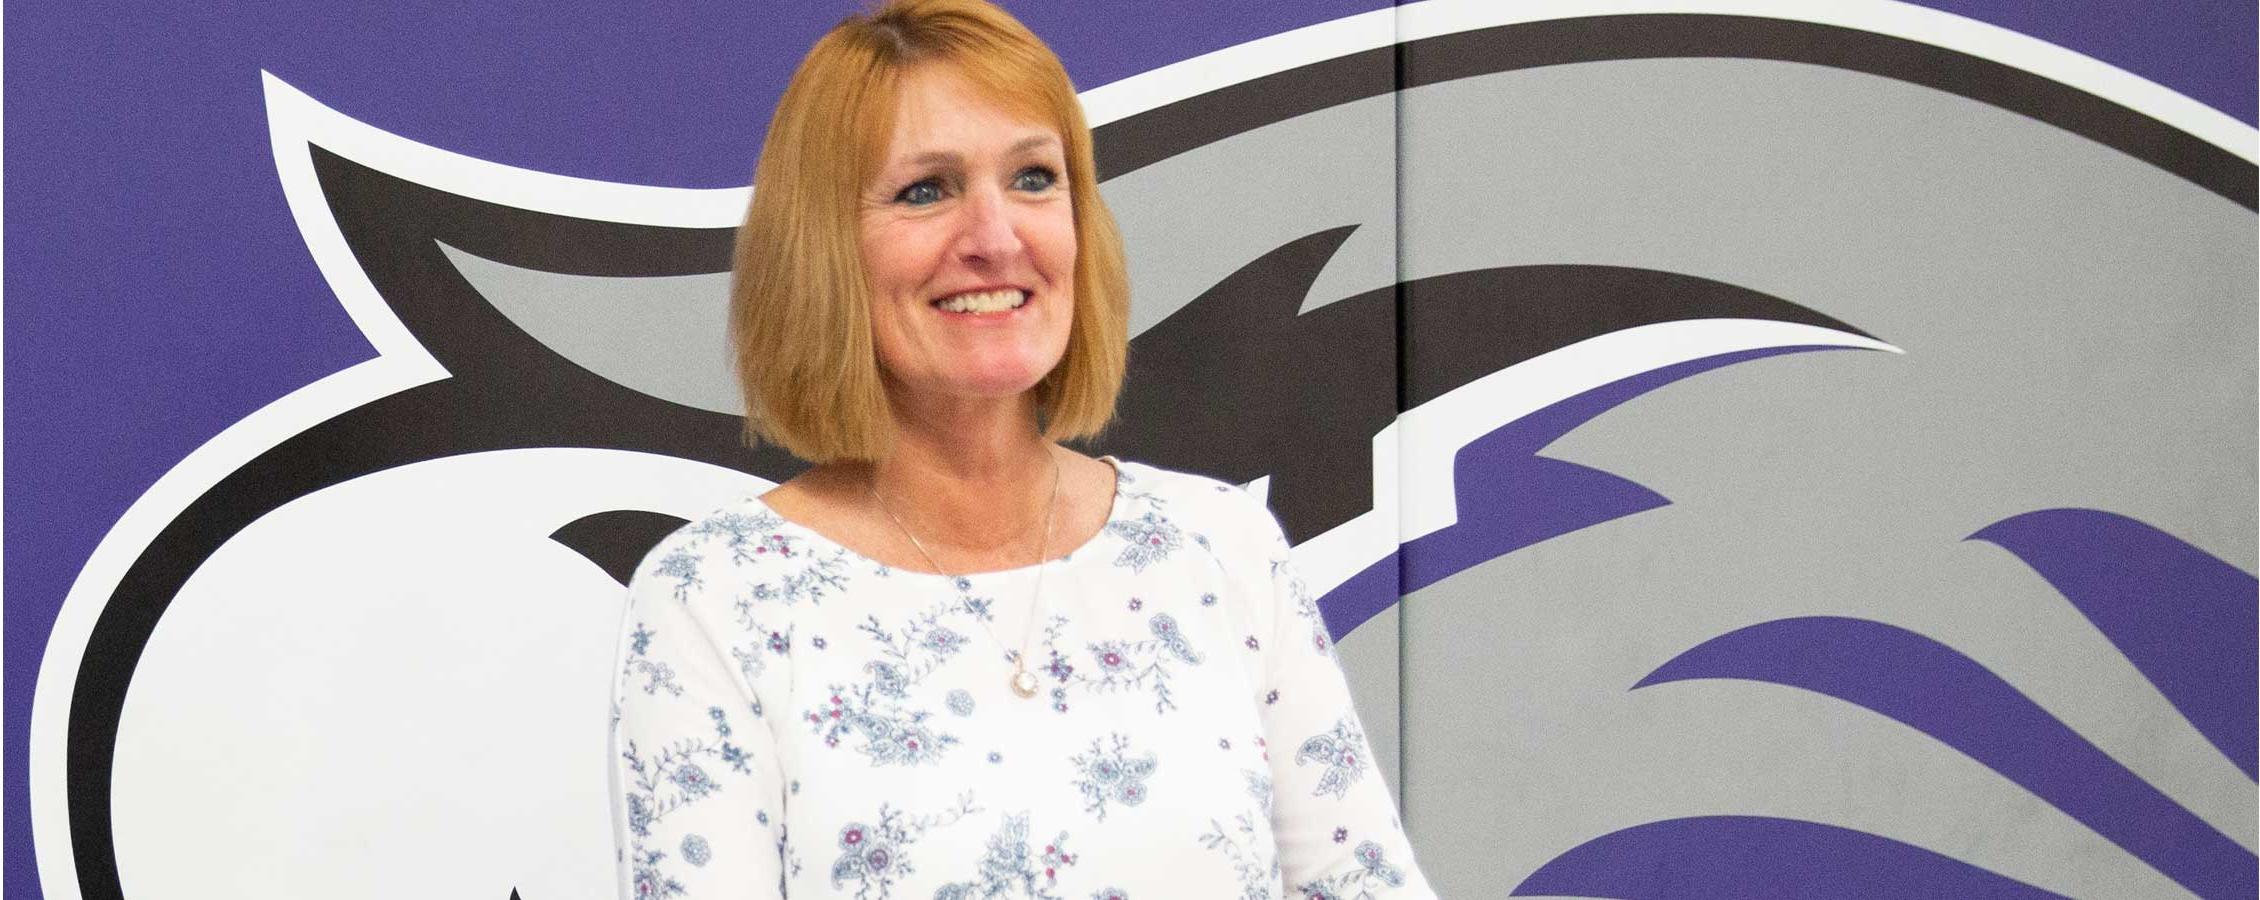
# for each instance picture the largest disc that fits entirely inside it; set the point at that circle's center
(793, 719)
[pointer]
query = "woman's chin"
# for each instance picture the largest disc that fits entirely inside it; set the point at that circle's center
(985, 386)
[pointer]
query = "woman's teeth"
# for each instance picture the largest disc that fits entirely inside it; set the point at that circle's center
(983, 301)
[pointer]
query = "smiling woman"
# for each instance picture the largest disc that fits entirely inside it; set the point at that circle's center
(882, 126)
(956, 659)
(967, 218)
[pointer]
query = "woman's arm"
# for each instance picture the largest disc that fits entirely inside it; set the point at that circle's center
(697, 807)
(1338, 832)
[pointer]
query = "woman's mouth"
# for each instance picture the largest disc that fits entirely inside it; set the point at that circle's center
(978, 302)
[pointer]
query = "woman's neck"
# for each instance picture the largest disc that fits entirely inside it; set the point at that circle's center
(970, 477)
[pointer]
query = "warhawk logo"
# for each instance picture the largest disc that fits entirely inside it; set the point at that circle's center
(358, 644)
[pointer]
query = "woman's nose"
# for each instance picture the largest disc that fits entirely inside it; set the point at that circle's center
(988, 233)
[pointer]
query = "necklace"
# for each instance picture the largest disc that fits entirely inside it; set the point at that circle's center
(1023, 681)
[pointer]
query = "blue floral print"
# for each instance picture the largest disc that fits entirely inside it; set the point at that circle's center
(1109, 772)
(656, 676)
(650, 675)
(751, 538)
(1011, 868)
(1252, 863)
(1305, 607)
(1145, 540)
(904, 767)
(1363, 883)
(1259, 787)
(1340, 755)
(1121, 665)
(750, 662)
(676, 767)
(886, 737)
(647, 878)
(874, 857)
(730, 753)
(746, 535)
(681, 566)
(880, 711)
(1164, 627)
(692, 780)
(942, 642)
(656, 788)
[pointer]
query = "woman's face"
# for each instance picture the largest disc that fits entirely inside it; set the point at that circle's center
(968, 242)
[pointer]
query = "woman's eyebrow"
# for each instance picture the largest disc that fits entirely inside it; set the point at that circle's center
(1032, 142)
(952, 157)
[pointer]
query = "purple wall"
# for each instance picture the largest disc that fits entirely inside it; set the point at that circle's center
(160, 291)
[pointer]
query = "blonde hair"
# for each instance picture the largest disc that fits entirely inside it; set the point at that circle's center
(800, 309)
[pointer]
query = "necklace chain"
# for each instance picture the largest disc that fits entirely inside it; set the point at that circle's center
(1023, 683)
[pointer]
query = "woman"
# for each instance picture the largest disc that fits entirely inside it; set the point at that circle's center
(955, 659)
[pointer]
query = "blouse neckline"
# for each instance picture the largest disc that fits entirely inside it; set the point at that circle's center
(1113, 514)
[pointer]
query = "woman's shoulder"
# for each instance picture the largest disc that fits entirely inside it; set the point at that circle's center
(740, 532)
(740, 515)
(1196, 501)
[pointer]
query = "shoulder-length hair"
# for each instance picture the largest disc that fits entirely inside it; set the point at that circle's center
(800, 308)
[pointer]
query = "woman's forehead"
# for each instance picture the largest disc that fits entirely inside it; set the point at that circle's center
(941, 112)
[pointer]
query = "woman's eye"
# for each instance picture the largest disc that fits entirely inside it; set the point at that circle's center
(921, 193)
(1034, 178)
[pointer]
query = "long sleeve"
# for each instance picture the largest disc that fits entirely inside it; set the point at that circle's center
(1337, 829)
(697, 804)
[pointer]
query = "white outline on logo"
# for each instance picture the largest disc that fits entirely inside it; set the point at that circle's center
(1421, 441)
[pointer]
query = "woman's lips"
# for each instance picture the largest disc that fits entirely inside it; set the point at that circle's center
(983, 302)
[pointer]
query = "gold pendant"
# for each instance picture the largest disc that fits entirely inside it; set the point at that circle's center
(1024, 683)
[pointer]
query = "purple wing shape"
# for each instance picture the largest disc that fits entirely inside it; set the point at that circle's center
(1940, 692)
(1510, 497)
(2188, 620)
(1743, 857)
